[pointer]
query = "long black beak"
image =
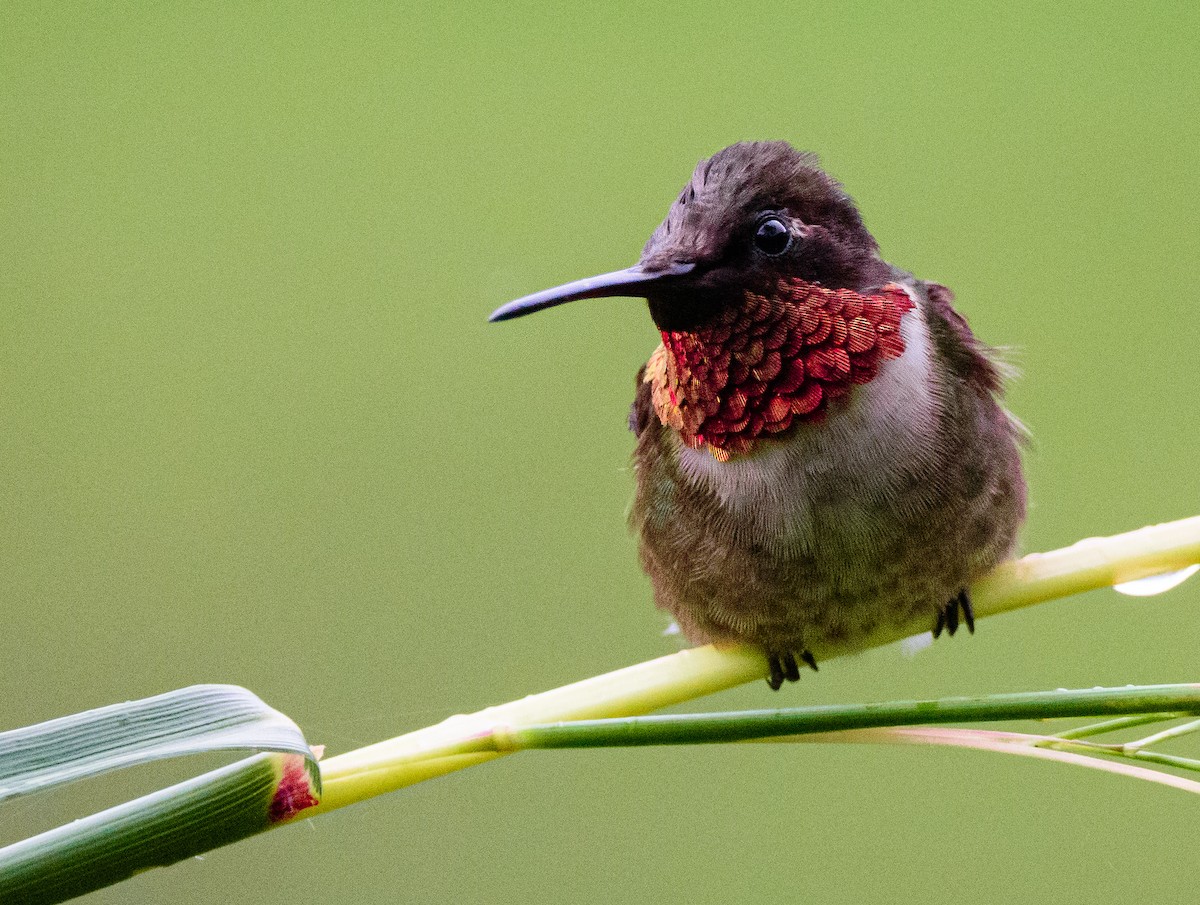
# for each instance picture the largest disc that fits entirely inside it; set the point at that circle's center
(632, 281)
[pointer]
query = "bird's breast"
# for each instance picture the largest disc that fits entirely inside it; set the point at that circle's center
(842, 476)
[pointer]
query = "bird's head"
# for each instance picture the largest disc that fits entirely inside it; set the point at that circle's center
(769, 293)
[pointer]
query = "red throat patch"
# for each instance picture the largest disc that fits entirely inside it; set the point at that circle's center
(773, 363)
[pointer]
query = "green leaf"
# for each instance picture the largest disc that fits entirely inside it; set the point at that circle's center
(192, 720)
(211, 810)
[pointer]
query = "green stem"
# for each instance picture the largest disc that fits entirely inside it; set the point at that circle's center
(1123, 722)
(688, 729)
(1118, 751)
(1173, 732)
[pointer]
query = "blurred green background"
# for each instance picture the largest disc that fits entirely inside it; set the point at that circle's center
(255, 429)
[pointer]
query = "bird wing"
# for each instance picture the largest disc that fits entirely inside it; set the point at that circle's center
(973, 360)
(642, 410)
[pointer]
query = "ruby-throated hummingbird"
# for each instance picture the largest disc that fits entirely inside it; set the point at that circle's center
(820, 449)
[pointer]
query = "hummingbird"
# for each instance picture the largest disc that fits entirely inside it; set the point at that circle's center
(821, 448)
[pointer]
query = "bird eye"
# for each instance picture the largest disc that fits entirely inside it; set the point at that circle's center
(772, 237)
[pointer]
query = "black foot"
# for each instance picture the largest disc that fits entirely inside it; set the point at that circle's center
(784, 666)
(947, 617)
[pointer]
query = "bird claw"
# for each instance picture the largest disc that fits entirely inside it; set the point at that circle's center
(784, 667)
(948, 616)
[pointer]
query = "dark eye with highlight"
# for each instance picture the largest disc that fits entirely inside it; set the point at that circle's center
(772, 237)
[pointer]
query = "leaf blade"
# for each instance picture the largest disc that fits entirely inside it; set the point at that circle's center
(193, 720)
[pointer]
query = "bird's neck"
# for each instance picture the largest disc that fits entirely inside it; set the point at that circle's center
(772, 363)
